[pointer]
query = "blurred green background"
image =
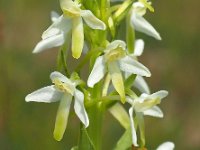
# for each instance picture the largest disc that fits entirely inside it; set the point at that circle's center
(174, 63)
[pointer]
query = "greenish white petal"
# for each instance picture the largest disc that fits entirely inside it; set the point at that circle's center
(57, 75)
(47, 94)
(155, 111)
(50, 42)
(166, 146)
(62, 117)
(92, 21)
(141, 85)
(80, 108)
(130, 65)
(115, 44)
(141, 25)
(139, 47)
(97, 72)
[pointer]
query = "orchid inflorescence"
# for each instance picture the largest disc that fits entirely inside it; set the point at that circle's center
(91, 30)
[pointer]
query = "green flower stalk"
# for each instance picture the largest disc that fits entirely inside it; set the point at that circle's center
(92, 27)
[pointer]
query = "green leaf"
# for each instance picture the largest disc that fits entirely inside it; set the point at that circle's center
(125, 141)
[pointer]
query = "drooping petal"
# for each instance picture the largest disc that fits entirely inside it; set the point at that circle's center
(77, 37)
(97, 72)
(62, 117)
(54, 16)
(117, 79)
(144, 26)
(120, 114)
(155, 111)
(51, 42)
(92, 21)
(131, 65)
(141, 85)
(47, 95)
(134, 135)
(80, 108)
(166, 146)
(139, 47)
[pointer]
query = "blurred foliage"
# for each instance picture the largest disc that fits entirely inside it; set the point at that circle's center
(174, 63)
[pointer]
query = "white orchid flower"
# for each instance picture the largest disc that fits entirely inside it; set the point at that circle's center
(139, 22)
(144, 105)
(166, 146)
(63, 90)
(113, 62)
(70, 21)
(72, 9)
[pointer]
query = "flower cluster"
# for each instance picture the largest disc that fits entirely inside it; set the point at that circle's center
(116, 76)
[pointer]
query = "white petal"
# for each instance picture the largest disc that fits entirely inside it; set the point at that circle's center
(47, 95)
(154, 112)
(141, 85)
(57, 75)
(92, 21)
(51, 42)
(61, 25)
(62, 116)
(134, 135)
(128, 64)
(139, 47)
(160, 94)
(115, 44)
(80, 108)
(97, 72)
(54, 16)
(144, 26)
(166, 146)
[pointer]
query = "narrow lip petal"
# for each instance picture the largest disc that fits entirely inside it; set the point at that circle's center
(98, 72)
(166, 146)
(77, 37)
(51, 42)
(92, 21)
(142, 25)
(139, 47)
(134, 135)
(80, 108)
(46, 94)
(155, 111)
(62, 116)
(128, 64)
